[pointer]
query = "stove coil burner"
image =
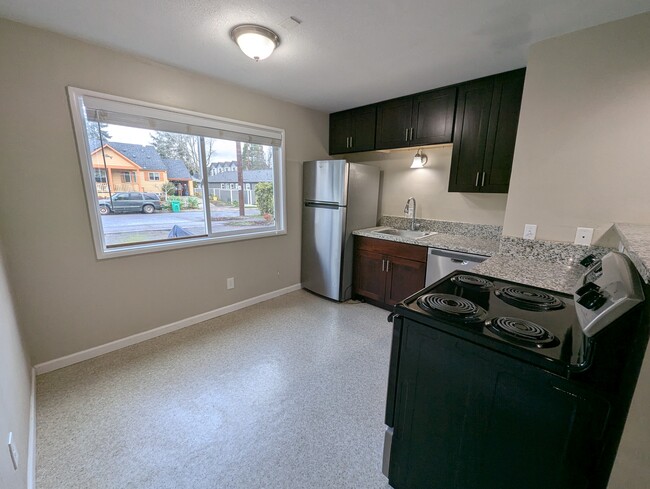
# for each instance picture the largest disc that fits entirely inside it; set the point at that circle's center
(529, 299)
(452, 306)
(522, 332)
(472, 281)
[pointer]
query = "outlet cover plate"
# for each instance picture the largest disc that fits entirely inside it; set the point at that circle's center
(584, 236)
(530, 230)
(230, 283)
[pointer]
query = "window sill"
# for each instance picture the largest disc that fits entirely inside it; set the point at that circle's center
(139, 249)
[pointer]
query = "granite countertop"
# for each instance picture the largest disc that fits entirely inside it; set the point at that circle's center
(636, 240)
(452, 242)
(555, 276)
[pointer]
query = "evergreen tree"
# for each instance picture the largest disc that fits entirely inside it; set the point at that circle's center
(253, 157)
(94, 130)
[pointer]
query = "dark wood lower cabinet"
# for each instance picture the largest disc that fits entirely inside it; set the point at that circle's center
(386, 272)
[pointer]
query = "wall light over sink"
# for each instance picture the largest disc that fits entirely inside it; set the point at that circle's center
(419, 160)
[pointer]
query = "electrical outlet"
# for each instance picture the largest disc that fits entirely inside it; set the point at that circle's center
(584, 236)
(230, 283)
(530, 230)
(13, 451)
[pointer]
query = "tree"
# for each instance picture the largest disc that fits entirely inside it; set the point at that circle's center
(183, 147)
(264, 197)
(253, 157)
(94, 130)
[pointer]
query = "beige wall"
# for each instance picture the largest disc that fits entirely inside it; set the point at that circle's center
(64, 295)
(429, 186)
(582, 156)
(15, 390)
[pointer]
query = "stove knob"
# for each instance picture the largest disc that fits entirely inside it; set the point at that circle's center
(592, 300)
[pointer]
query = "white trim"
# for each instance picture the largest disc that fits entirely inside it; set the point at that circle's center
(96, 351)
(31, 443)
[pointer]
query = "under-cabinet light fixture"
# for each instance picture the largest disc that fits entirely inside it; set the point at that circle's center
(419, 160)
(255, 41)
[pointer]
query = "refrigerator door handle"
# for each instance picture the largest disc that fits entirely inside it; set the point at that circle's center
(323, 205)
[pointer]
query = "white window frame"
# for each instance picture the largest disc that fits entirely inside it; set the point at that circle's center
(156, 176)
(208, 123)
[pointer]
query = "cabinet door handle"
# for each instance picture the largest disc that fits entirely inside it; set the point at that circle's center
(477, 174)
(351, 141)
(411, 138)
(483, 180)
(387, 265)
(406, 135)
(383, 265)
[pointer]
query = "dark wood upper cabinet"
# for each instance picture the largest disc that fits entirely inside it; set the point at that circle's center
(485, 129)
(353, 130)
(416, 120)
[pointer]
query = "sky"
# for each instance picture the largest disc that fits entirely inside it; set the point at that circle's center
(222, 150)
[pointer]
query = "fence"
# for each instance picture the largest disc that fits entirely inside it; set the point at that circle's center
(232, 194)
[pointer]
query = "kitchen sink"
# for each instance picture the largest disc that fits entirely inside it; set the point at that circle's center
(405, 233)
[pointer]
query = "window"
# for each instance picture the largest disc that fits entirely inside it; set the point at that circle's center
(100, 175)
(114, 133)
(128, 177)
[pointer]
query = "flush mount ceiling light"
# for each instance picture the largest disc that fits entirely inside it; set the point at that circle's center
(419, 160)
(255, 41)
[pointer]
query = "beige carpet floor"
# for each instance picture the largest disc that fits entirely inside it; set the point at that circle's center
(289, 393)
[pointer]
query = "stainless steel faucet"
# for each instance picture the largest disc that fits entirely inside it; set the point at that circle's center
(414, 225)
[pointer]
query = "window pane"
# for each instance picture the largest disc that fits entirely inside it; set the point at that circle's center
(241, 185)
(141, 210)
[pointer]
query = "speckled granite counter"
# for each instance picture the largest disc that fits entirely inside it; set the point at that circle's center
(636, 240)
(452, 242)
(536, 273)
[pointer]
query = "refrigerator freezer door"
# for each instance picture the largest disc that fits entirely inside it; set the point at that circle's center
(325, 181)
(323, 232)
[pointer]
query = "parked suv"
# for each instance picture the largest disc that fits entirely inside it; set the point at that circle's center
(145, 202)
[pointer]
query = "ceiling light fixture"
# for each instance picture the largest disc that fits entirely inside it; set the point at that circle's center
(255, 41)
(419, 160)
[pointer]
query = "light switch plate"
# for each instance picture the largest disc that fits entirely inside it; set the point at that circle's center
(530, 230)
(584, 236)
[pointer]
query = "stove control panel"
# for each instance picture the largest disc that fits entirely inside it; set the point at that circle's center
(609, 289)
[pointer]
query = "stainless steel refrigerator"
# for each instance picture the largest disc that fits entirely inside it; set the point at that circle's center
(338, 198)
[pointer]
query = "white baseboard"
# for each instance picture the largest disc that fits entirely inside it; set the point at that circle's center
(96, 351)
(31, 443)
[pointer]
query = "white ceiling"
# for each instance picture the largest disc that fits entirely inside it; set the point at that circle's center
(345, 53)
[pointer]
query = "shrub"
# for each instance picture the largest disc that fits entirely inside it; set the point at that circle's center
(264, 197)
(168, 188)
(193, 202)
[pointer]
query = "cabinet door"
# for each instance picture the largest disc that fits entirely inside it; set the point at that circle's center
(433, 117)
(404, 277)
(340, 132)
(470, 135)
(369, 275)
(363, 128)
(502, 130)
(394, 123)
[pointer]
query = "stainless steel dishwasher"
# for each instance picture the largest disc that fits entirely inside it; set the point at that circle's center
(442, 262)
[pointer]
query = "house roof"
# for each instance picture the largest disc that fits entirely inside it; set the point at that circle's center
(176, 170)
(249, 176)
(146, 157)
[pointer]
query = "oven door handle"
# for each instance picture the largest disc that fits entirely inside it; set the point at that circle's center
(391, 317)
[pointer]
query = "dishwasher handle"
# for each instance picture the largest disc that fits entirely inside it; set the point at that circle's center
(461, 262)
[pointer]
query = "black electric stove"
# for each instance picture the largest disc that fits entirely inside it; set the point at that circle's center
(496, 384)
(534, 325)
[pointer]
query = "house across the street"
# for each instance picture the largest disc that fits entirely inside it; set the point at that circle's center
(224, 185)
(135, 168)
